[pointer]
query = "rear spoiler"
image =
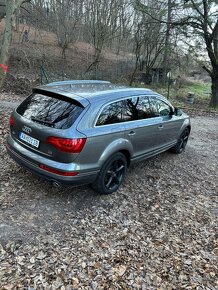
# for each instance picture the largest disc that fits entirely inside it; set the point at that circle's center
(77, 82)
(58, 95)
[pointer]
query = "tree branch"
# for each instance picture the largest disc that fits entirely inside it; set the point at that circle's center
(207, 70)
(25, 9)
(189, 20)
(197, 9)
(3, 5)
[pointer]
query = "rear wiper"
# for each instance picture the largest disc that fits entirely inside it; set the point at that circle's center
(42, 122)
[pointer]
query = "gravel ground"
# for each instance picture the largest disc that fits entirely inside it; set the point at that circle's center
(158, 231)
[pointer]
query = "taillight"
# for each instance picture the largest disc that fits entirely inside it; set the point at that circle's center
(63, 173)
(67, 145)
(11, 121)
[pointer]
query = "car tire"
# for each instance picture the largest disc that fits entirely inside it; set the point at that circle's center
(181, 143)
(111, 174)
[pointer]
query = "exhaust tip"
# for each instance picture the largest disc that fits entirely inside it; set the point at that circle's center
(56, 184)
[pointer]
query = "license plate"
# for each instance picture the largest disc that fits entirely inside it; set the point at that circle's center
(30, 140)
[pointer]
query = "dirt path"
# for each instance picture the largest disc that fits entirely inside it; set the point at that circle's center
(159, 231)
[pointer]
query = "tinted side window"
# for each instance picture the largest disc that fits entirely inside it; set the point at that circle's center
(50, 111)
(138, 108)
(111, 114)
(160, 108)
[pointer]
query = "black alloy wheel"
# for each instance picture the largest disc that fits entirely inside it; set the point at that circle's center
(182, 142)
(111, 174)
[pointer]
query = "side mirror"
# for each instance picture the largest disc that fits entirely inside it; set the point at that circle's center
(177, 112)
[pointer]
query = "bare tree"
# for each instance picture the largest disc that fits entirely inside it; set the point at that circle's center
(200, 17)
(125, 25)
(11, 8)
(2, 10)
(149, 40)
(102, 24)
(67, 14)
(167, 40)
(138, 43)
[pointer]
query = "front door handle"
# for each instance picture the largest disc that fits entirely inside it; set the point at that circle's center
(131, 133)
(160, 127)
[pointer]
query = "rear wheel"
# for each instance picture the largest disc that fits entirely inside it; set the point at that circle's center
(182, 142)
(111, 174)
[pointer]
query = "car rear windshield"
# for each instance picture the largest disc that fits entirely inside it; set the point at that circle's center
(52, 111)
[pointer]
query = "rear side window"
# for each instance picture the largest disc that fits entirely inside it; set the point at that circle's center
(138, 108)
(59, 113)
(111, 114)
(131, 109)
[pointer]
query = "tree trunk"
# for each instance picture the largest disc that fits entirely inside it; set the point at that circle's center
(211, 41)
(12, 7)
(17, 20)
(134, 73)
(214, 62)
(166, 66)
(4, 56)
(214, 90)
(137, 54)
(94, 65)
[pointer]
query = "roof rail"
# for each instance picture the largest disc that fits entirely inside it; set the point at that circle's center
(77, 82)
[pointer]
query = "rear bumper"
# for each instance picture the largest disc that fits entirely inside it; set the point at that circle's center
(31, 161)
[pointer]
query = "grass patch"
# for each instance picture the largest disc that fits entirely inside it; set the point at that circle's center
(201, 90)
(179, 93)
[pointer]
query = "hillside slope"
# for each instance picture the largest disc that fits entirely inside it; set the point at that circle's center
(42, 54)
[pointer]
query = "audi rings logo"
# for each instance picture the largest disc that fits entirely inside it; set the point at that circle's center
(26, 129)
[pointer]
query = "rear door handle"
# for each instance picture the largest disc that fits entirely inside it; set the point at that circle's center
(131, 133)
(160, 127)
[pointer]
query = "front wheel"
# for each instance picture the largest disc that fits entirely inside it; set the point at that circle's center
(111, 174)
(182, 142)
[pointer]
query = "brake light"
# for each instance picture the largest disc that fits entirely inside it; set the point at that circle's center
(52, 170)
(67, 145)
(11, 121)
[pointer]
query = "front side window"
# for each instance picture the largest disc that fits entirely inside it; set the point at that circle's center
(160, 108)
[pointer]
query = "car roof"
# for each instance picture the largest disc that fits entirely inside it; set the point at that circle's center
(90, 91)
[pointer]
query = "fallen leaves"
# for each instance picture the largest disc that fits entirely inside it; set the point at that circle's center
(120, 270)
(159, 231)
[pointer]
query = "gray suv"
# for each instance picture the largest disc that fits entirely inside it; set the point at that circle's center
(89, 132)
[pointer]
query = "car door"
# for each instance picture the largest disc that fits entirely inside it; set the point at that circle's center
(141, 126)
(169, 124)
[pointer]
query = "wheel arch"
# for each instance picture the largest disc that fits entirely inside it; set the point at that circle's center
(186, 124)
(126, 153)
(122, 145)
(189, 127)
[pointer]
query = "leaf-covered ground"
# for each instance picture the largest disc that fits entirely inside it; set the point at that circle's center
(159, 231)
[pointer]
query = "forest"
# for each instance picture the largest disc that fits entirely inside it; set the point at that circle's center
(152, 38)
